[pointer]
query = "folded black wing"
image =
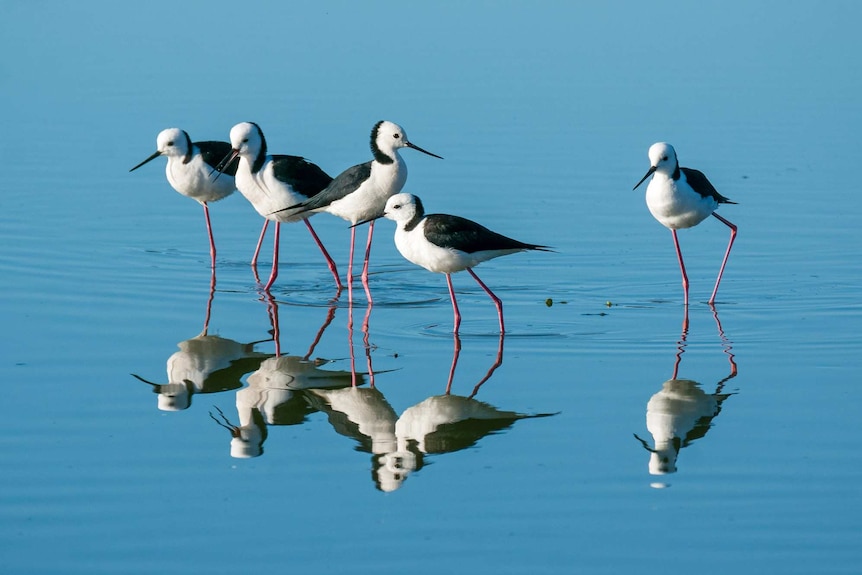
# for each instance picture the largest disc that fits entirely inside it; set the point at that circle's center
(215, 152)
(455, 232)
(304, 177)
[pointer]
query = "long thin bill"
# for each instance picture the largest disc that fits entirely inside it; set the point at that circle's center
(415, 147)
(155, 155)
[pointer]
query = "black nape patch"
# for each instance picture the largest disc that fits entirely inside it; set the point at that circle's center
(261, 156)
(378, 155)
(188, 156)
(417, 217)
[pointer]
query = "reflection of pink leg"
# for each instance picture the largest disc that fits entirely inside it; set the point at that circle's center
(274, 273)
(497, 363)
(726, 343)
(726, 254)
(680, 345)
(329, 317)
(353, 376)
(365, 264)
(455, 353)
(367, 344)
(329, 261)
(350, 267)
(210, 301)
(454, 303)
(259, 243)
(496, 300)
(681, 266)
(272, 311)
(210, 233)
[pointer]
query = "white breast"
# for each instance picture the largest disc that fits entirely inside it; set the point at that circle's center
(418, 250)
(369, 199)
(193, 180)
(267, 194)
(675, 204)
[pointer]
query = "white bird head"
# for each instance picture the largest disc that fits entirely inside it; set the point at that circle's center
(172, 142)
(402, 208)
(246, 139)
(386, 137)
(662, 158)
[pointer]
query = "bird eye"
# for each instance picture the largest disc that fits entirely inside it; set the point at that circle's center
(245, 141)
(397, 206)
(170, 143)
(396, 136)
(664, 158)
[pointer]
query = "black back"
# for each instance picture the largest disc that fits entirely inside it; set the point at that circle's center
(467, 236)
(304, 177)
(344, 183)
(697, 180)
(215, 152)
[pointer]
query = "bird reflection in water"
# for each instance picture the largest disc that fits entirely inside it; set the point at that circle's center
(682, 412)
(204, 364)
(439, 424)
(274, 394)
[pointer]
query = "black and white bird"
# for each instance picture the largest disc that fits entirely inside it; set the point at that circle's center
(270, 182)
(189, 167)
(359, 194)
(447, 244)
(682, 198)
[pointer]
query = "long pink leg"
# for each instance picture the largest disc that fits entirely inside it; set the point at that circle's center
(454, 303)
(259, 243)
(350, 267)
(365, 264)
(726, 254)
(210, 233)
(329, 261)
(456, 352)
(274, 273)
(681, 266)
(496, 300)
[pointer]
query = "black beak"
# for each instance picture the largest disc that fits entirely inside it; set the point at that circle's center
(648, 174)
(415, 147)
(155, 155)
(225, 162)
(381, 215)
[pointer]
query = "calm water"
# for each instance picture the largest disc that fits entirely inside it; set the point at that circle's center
(243, 461)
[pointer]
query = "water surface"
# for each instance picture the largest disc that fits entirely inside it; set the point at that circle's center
(257, 452)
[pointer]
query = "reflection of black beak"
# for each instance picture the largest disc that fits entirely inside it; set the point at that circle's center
(376, 217)
(409, 145)
(648, 174)
(155, 155)
(156, 386)
(225, 162)
(643, 442)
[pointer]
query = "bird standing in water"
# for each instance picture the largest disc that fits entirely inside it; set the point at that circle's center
(359, 194)
(188, 170)
(269, 182)
(447, 244)
(682, 198)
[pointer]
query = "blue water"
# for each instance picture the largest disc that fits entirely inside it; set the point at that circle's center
(544, 115)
